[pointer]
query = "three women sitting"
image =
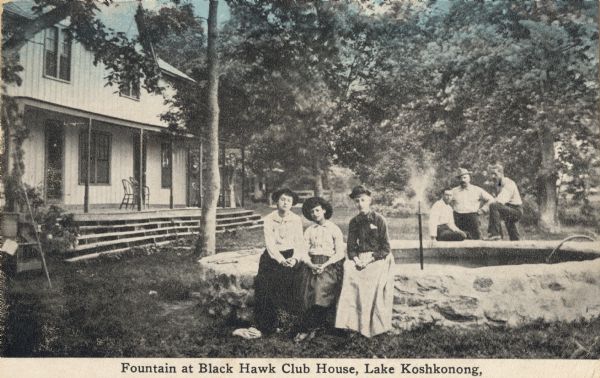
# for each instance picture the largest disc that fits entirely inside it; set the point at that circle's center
(303, 274)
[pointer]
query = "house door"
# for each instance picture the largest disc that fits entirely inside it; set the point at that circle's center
(194, 178)
(54, 149)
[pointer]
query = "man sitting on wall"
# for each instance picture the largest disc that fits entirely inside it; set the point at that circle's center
(508, 206)
(441, 220)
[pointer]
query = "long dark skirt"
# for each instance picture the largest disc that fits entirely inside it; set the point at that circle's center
(319, 293)
(274, 290)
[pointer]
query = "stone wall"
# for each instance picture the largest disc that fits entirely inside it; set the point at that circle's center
(496, 296)
(499, 296)
(228, 280)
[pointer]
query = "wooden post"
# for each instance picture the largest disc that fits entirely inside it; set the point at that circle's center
(6, 161)
(88, 158)
(171, 173)
(139, 178)
(420, 236)
(201, 184)
(223, 175)
(243, 175)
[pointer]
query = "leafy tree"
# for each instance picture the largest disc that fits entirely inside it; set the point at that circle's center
(495, 81)
(300, 61)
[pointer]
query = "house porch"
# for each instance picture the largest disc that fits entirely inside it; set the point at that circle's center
(105, 231)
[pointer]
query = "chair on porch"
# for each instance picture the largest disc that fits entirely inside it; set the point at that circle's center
(145, 194)
(128, 195)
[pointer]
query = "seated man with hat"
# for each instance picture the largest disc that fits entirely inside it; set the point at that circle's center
(468, 202)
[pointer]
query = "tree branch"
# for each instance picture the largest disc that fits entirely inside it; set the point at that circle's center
(31, 28)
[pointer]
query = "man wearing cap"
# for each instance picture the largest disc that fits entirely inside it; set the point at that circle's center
(508, 206)
(468, 202)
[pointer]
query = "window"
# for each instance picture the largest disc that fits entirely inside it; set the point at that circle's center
(131, 90)
(57, 54)
(99, 158)
(165, 164)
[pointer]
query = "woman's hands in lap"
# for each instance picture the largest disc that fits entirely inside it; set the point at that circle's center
(289, 263)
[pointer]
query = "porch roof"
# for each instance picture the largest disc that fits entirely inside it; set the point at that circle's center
(44, 105)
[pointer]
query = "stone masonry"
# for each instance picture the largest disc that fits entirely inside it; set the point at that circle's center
(498, 296)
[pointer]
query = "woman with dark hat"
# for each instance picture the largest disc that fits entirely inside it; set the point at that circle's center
(278, 265)
(366, 298)
(321, 273)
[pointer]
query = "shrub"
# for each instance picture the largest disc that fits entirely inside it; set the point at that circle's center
(59, 229)
(585, 215)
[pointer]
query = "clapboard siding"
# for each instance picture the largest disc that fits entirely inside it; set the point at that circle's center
(87, 95)
(122, 139)
(87, 89)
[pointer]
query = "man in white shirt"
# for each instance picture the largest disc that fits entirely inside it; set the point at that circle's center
(508, 206)
(441, 220)
(469, 201)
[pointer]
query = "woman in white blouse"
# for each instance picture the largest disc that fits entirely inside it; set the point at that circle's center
(277, 270)
(321, 274)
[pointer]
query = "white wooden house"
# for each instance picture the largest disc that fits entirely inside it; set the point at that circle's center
(65, 101)
(67, 107)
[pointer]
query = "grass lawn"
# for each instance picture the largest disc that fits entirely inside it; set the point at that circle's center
(143, 304)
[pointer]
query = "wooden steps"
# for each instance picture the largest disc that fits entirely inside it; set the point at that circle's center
(108, 233)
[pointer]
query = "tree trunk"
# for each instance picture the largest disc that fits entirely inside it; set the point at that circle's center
(547, 176)
(318, 177)
(208, 225)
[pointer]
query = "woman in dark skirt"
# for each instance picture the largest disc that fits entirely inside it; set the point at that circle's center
(321, 273)
(274, 285)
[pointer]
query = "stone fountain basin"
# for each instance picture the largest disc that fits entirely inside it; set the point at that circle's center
(463, 284)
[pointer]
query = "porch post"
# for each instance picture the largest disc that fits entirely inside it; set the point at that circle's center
(6, 161)
(243, 174)
(223, 175)
(201, 191)
(140, 183)
(86, 195)
(171, 173)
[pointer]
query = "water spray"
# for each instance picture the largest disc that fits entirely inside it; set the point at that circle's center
(419, 181)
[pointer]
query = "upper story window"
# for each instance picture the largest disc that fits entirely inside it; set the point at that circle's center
(131, 90)
(57, 54)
